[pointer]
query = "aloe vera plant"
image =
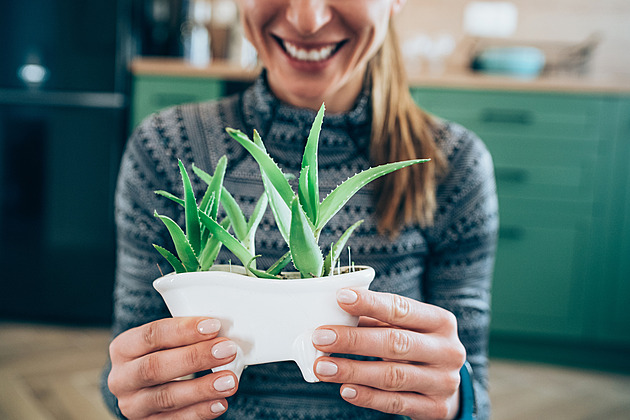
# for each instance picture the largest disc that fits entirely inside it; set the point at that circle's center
(301, 216)
(197, 248)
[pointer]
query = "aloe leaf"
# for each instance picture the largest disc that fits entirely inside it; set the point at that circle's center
(281, 212)
(205, 233)
(254, 221)
(193, 227)
(307, 257)
(234, 212)
(279, 265)
(211, 250)
(310, 159)
(267, 165)
(259, 273)
(212, 182)
(217, 185)
(170, 197)
(258, 213)
(304, 194)
(230, 205)
(258, 141)
(172, 259)
(340, 195)
(335, 250)
(182, 245)
(227, 239)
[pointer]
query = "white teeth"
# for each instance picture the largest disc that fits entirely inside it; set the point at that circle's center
(309, 55)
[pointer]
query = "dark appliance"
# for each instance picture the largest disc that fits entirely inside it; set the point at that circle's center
(63, 124)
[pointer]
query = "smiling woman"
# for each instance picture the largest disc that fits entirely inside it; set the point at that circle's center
(429, 232)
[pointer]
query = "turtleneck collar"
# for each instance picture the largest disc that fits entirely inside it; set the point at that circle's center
(263, 110)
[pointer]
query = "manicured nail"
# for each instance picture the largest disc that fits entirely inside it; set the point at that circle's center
(217, 408)
(224, 383)
(347, 296)
(224, 349)
(348, 393)
(326, 368)
(209, 326)
(323, 337)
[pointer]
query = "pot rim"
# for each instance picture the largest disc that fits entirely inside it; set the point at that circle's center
(175, 280)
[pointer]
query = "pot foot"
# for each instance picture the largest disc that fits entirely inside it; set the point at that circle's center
(305, 356)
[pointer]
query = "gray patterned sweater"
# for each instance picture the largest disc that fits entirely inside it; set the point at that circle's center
(449, 264)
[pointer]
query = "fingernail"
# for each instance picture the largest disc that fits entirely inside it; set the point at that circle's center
(326, 368)
(217, 408)
(323, 337)
(347, 296)
(224, 383)
(224, 349)
(348, 393)
(209, 326)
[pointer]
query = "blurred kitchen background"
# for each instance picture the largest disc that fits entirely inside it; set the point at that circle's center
(546, 84)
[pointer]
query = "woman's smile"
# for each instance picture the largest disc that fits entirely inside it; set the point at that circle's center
(316, 51)
(313, 53)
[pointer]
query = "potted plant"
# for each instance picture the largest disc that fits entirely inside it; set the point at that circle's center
(258, 307)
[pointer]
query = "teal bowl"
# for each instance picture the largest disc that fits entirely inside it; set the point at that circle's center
(513, 61)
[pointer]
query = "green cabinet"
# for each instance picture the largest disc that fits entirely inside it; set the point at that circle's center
(152, 93)
(561, 169)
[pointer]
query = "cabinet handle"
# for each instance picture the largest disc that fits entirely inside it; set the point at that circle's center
(507, 116)
(511, 233)
(513, 175)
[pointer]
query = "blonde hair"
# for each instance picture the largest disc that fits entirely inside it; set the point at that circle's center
(400, 131)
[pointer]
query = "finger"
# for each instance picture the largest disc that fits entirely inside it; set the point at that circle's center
(388, 343)
(167, 365)
(176, 395)
(388, 376)
(396, 310)
(410, 404)
(201, 411)
(162, 334)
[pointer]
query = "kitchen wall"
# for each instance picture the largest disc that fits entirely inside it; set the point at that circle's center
(547, 21)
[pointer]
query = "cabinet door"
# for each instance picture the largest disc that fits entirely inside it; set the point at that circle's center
(545, 149)
(610, 318)
(153, 93)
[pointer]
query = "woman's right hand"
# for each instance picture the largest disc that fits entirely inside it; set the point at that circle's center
(148, 360)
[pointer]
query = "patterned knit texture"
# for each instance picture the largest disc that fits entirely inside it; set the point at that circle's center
(449, 264)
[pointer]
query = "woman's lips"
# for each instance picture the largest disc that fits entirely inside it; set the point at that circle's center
(312, 54)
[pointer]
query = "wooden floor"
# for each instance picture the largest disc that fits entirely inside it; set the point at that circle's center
(52, 373)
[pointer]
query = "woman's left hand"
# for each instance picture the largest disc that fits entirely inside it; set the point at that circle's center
(420, 352)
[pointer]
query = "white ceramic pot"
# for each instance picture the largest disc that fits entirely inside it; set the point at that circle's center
(269, 320)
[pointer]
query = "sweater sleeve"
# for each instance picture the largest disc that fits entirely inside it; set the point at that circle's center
(141, 172)
(463, 244)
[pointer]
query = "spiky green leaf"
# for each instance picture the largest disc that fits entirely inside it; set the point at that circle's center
(279, 265)
(170, 197)
(305, 195)
(259, 273)
(227, 239)
(212, 248)
(267, 165)
(340, 195)
(307, 257)
(309, 159)
(230, 206)
(184, 250)
(193, 227)
(172, 259)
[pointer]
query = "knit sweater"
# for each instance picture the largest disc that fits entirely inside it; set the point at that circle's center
(448, 264)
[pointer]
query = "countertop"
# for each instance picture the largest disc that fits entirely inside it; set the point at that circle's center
(453, 78)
